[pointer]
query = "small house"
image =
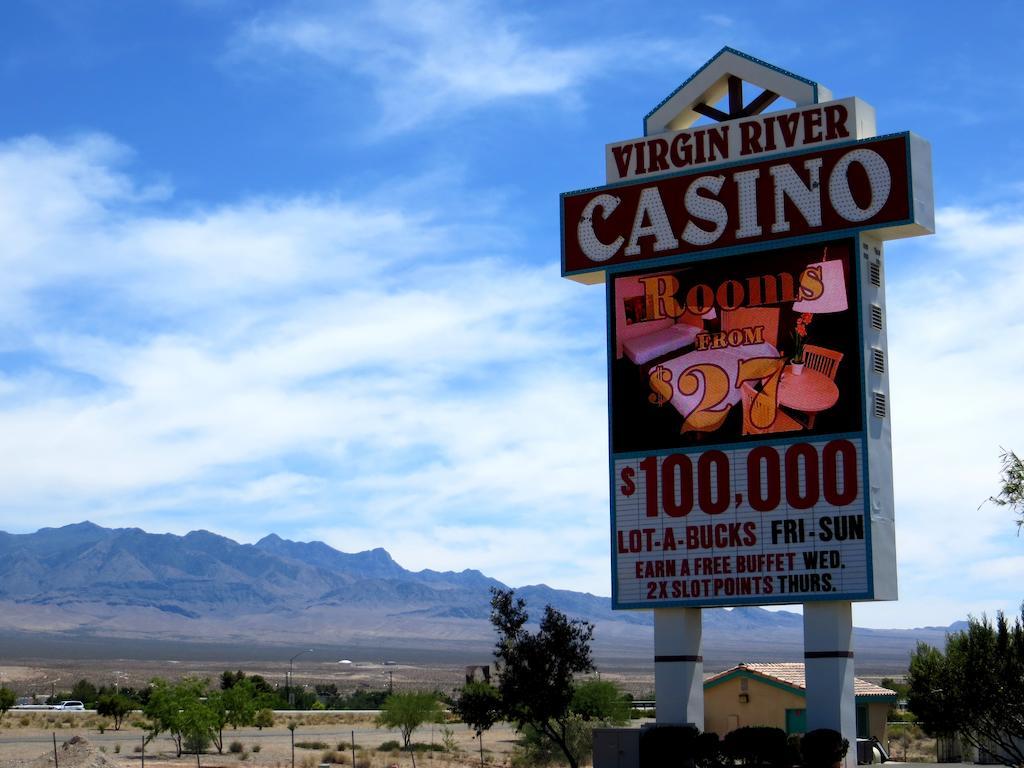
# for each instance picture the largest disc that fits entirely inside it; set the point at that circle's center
(775, 694)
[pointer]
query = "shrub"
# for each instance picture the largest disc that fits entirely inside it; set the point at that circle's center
(754, 745)
(311, 745)
(235, 747)
(667, 745)
(25, 721)
(419, 746)
(451, 744)
(536, 748)
(707, 751)
(822, 748)
(330, 756)
(256, 747)
(264, 719)
(195, 743)
(117, 749)
(243, 756)
(391, 745)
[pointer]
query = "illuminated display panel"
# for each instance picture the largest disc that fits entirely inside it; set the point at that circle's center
(712, 351)
(754, 525)
(739, 449)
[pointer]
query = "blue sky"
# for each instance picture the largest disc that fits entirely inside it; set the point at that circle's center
(294, 268)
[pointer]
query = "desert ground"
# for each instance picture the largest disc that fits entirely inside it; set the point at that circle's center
(45, 676)
(27, 737)
(319, 738)
(84, 740)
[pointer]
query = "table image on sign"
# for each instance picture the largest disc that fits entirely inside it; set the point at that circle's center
(808, 391)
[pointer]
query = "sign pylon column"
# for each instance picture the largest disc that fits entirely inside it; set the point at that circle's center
(828, 670)
(679, 666)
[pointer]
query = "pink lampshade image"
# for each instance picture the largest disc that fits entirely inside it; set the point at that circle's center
(833, 298)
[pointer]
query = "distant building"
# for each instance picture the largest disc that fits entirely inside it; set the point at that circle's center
(775, 695)
(478, 673)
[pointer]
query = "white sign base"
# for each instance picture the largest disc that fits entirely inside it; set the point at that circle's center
(679, 666)
(828, 671)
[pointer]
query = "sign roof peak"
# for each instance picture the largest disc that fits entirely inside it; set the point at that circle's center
(723, 75)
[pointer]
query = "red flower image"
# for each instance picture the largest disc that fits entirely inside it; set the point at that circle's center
(799, 334)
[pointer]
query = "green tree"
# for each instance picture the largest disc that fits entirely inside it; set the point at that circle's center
(537, 669)
(407, 712)
(601, 700)
(218, 706)
(264, 718)
(180, 710)
(479, 707)
(115, 706)
(85, 692)
(976, 688)
(242, 700)
(234, 706)
(928, 690)
(229, 678)
(892, 684)
(1011, 493)
(7, 699)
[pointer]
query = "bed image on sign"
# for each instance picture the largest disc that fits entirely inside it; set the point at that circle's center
(646, 347)
(704, 385)
(646, 329)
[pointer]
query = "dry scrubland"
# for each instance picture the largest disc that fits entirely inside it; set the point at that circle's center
(26, 741)
(42, 677)
(26, 738)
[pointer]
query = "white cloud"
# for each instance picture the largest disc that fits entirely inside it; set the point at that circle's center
(428, 59)
(954, 334)
(291, 365)
(718, 19)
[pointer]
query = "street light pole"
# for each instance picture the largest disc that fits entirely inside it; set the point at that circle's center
(291, 661)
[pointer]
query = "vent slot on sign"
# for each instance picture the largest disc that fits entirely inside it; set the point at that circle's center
(878, 361)
(876, 317)
(879, 407)
(875, 271)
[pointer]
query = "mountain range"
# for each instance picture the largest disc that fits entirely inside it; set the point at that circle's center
(87, 582)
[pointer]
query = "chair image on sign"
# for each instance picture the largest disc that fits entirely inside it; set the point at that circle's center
(756, 409)
(824, 361)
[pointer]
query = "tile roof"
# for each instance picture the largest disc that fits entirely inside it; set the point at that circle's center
(792, 673)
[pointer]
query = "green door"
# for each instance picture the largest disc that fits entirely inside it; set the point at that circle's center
(863, 724)
(796, 721)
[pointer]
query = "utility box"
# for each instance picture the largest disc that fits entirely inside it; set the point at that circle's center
(616, 748)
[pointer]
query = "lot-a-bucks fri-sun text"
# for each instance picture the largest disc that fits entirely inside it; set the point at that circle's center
(768, 521)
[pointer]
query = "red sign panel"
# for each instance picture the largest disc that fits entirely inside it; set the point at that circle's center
(863, 185)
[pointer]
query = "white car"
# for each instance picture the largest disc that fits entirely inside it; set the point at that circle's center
(71, 705)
